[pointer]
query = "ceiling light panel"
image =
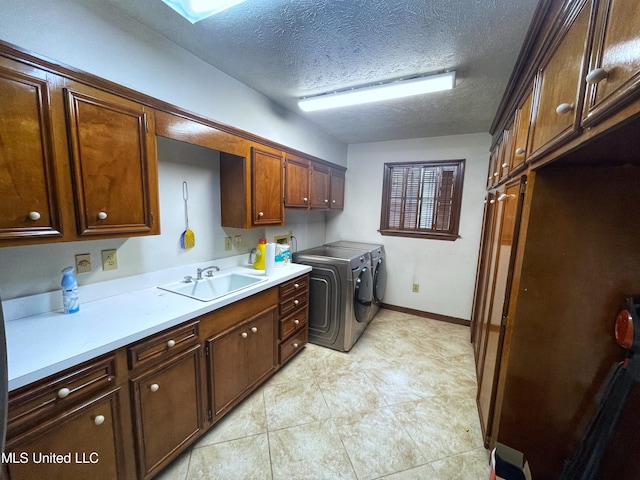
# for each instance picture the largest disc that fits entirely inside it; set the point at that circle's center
(381, 92)
(196, 10)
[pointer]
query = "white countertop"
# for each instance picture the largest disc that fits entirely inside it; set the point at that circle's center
(44, 344)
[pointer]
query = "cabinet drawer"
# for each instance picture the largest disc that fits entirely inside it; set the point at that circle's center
(292, 346)
(294, 303)
(162, 345)
(291, 323)
(294, 287)
(32, 404)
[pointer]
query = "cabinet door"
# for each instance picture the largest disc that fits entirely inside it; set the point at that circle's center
(168, 410)
(89, 435)
(261, 354)
(29, 206)
(320, 184)
(240, 357)
(614, 73)
(521, 140)
(296, 194)
(505, 240)
(114, 163)
(560, 87)
(337, 189)
(267, 187)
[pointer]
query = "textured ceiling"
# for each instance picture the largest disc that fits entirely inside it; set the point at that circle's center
(287, 49)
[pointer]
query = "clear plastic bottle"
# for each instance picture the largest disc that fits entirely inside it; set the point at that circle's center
(69, 284)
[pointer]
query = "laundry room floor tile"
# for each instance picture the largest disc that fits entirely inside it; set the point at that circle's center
(400, 406)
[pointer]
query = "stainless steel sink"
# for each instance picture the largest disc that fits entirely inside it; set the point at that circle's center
(210, 288)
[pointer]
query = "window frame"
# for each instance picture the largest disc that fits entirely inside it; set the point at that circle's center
(452, 233)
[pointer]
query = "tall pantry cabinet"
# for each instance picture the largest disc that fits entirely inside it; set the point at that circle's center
(559, 252)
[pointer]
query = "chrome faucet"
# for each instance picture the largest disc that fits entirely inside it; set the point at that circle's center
(210, 274)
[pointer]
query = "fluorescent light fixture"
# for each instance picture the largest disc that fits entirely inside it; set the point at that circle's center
(196, 10)
(380, 92)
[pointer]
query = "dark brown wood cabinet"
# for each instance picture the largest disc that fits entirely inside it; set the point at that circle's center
(320, 186)
(614, 69)
(296, 182)
(549, 288)
(521, 141)
(240, 357)
(113, 154)
(166, 388)
(560, 86)
(78, 162)
(337, 189)
(252, 188)
(294, 315)
(29, 188)
(81, 414)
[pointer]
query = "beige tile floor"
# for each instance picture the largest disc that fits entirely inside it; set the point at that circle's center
(399, 406)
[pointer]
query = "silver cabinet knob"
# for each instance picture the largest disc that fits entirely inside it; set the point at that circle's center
(171, 343)
(254, 329)
(244, 334)
(326, 200)
(99, 420)
(296, 322)
(305, 199)
(564, 108)
(333, 201)
(295, 345)
(596, 75)
(495, 174)
(63, 392)
(505, 165)
(520, 151)
(102, 215)
(261, 214)
(154, 387)
(34, 215)
(296, 285)
(296, 302)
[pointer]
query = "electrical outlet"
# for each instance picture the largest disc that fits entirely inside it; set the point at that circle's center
(83, 263)
(416, 288)
(109, 260)
(228, 243)
(237, 241)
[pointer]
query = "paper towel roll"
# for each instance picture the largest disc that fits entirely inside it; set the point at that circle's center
(270, 261)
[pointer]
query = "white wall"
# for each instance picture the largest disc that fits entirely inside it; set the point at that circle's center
(101, 41)
(35, 269)
(445, 270)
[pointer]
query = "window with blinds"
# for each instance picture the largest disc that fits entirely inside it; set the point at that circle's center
(422, 199)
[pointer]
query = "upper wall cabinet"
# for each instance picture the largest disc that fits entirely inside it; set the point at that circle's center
(337, 189)
(559, 87)
(252, 190)
(114, 163)
(75, 161)
(296, 182)
(28, 186)
(521, 141)
(320, 186)
(614, 67)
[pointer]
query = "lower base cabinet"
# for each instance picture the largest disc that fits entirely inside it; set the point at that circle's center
(83, 442)
(129, 413)
(168, 410)
(240, 357)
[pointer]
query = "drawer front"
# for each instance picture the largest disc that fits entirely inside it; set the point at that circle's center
(291, 323)
(163, 345)
(34, 403)
(294, 287)
(294, 303)
(292, 346)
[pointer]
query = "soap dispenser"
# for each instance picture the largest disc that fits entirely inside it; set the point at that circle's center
(69, 284)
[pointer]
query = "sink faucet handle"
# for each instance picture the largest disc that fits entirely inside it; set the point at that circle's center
(188, 279)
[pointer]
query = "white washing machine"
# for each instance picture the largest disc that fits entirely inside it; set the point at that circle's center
(378, 268)
(340, 294)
